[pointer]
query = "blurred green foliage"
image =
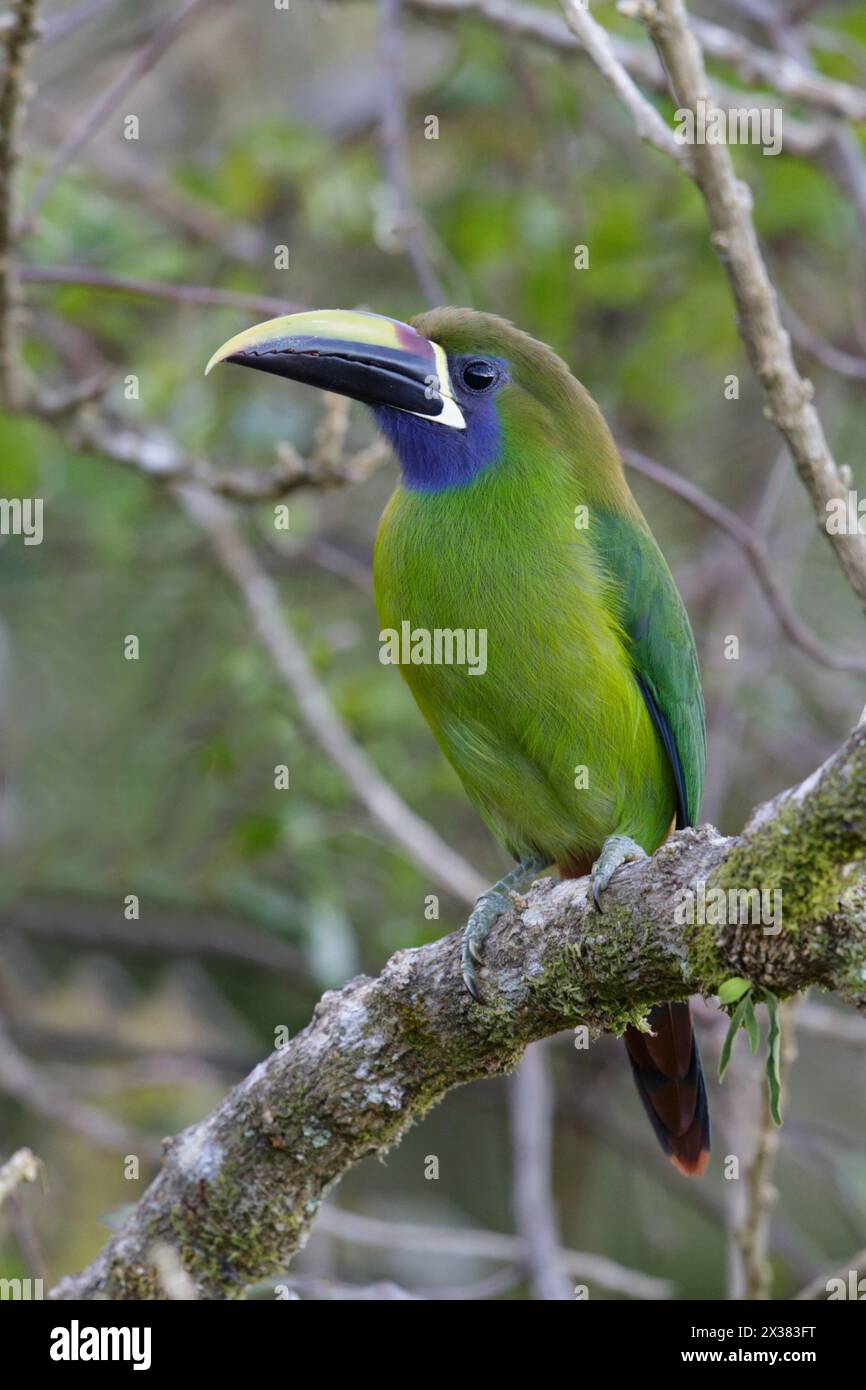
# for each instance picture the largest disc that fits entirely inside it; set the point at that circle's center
(155, 777)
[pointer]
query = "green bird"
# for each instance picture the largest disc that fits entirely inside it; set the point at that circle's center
(577, 728)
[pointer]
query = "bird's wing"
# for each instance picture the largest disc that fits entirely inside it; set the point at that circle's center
(662, 648)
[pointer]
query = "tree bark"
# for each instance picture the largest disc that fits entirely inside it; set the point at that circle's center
(237, 1193)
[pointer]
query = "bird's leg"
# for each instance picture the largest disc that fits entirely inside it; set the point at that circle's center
(616, 851)
(486, 910)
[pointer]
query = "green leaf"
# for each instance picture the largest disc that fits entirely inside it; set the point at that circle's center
(774, 1057)
(733, 989)
(750, 1023)
(737, 1022)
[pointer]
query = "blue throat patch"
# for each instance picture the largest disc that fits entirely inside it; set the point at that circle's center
(434, 457)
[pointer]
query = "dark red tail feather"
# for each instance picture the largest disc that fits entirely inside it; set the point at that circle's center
(670, 1080)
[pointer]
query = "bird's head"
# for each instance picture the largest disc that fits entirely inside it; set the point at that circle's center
(449, 390)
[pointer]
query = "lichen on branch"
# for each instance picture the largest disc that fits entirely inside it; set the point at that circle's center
(238, 1193)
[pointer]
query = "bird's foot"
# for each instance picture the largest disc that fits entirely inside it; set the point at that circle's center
(485, 912)
(487, 909)
(616, 851)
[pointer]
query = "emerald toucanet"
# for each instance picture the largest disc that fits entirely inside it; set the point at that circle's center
(583, 742)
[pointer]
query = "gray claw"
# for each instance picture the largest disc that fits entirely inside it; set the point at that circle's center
(471, 984)
(485, 912)
(616, 851)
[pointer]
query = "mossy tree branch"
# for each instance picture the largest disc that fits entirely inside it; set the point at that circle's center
(238, 1193)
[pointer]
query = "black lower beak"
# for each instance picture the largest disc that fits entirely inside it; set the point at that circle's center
(378, 361)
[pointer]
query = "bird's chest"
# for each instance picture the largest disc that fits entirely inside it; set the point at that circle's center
(490, 604)
(505, 627)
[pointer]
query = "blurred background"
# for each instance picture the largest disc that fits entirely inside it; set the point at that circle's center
(308, 128)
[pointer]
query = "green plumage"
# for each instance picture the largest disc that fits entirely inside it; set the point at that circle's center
(582, 742)
(591, 661)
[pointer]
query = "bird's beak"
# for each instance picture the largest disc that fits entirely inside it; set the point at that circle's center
(376, 360)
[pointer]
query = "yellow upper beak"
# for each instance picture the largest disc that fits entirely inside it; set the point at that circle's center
(374, 359)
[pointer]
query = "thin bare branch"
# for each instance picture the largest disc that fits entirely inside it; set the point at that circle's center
(729, 207)
(158, 456)
(835, 359)
(595, 39)
(25, 1083)
(407, 225)
(156, 289)
(64, 25)
(18, 39)
(203, 933)
(754, 547)
(752, 63)
(123, 173)
(752, 1234)
(784, 74)
(421, 844)
(532, 1105)
(160, 1069)
(485, 1245)
(146, 59)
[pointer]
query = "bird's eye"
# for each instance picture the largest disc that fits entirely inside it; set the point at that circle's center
(480, 375)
